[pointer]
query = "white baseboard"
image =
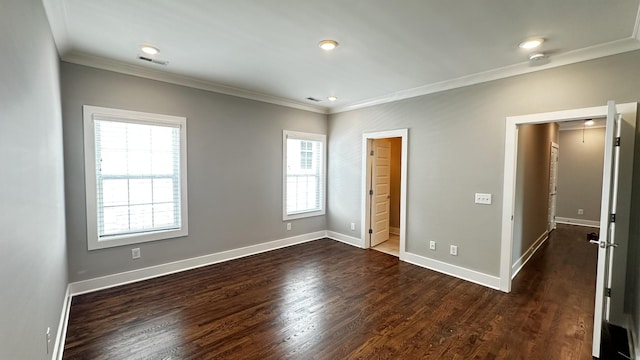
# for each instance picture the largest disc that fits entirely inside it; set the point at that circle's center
(394, 230)
(634, 341)
(104, 282)
(61, 335)
(519, 264)
(439, 266)
(581, 222)
(350, 240)
(453, 270)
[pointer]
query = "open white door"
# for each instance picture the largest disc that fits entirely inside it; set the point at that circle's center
(606, 243)
(381, 187)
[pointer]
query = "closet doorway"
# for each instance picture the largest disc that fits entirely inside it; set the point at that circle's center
(384, 191)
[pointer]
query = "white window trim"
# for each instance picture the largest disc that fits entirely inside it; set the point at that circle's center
(311, 137)
(89, 114)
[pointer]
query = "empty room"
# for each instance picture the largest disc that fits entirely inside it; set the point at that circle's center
(337, 180)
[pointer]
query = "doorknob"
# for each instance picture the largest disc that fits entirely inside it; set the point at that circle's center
(603, 243)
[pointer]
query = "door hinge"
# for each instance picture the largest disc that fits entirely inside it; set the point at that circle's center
(370, 231)
(371, 152)
(371, 192)
(612, 218)
(607, 292)
(618, 141)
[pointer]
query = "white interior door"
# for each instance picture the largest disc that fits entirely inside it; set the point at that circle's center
(607, 226)
(553, 184)
(381, 186)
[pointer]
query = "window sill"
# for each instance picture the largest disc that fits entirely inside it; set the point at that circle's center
(123, 240)
(302, 215)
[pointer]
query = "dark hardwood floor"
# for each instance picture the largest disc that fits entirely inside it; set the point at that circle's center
(328, 300)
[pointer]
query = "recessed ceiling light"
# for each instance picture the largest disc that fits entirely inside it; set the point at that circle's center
(148, 49)
(589, 123)
(328, 44)
(531, 43)
(332, 98)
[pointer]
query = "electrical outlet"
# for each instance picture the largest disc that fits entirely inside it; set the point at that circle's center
(484, 199)
(288, 226)
(353, 226)
(135, 253)
(580, 211)
(453, 250)
(432, 245)
(48, 337)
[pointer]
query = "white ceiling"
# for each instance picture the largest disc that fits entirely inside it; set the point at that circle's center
(268, 49)
(580, 124)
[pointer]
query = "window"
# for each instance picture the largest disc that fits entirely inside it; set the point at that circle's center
(306, 155)
(136, 178)
(304, 175)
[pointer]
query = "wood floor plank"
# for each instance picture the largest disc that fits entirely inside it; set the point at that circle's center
(327, 300)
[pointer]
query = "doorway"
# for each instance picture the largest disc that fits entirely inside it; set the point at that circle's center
(618, 167)
(384, 194)
(550, 191)
(384, 179)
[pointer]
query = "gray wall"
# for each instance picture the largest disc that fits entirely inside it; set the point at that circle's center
(456, 148)
(234, 149)
(531, 213)
(33, 264)
(580, 173)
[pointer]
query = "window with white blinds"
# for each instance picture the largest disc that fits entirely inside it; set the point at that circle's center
(136, 176)
(304, 174)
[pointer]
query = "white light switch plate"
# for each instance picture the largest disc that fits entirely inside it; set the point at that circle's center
(484, 199)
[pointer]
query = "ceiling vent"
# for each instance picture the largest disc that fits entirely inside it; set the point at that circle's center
(154, 61)
(313, 99)
(538, 59)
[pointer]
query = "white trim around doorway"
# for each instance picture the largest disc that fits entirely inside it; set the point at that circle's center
(366, 138)
(510, 164)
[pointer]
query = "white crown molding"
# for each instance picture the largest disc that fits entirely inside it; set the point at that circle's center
(571, 57)
(56, 13)
(147, 73)
(636, 27)
(57, 16)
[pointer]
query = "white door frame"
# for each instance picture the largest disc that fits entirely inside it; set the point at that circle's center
(366, 182)
(510, 162)
(555, 187)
